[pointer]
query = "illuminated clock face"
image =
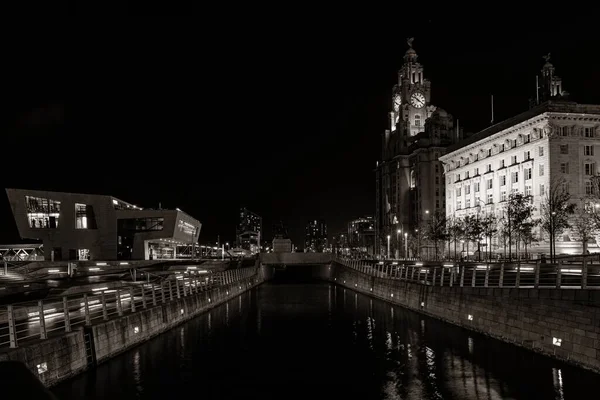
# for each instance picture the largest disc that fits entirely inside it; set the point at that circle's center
(417, 100)
(397, 102)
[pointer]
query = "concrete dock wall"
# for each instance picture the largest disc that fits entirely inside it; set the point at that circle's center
(52, 360)
(61, 357)
(537, 319)
(120, 334)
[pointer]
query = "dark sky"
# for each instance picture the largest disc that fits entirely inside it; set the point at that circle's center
(232, 109)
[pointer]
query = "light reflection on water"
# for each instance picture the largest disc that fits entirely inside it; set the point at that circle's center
(306, 341)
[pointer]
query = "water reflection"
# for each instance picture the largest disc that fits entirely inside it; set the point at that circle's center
(307, 341)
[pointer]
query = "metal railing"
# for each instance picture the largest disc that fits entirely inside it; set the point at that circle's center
(39, 319)
(582, 272)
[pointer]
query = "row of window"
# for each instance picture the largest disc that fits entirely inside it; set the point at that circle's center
(589, 132)
(564, 149)
(514, 178)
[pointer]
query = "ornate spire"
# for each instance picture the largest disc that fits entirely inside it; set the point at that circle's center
(411, 54)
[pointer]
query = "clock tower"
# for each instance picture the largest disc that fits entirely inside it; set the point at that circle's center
(412, 94)
(409, 177)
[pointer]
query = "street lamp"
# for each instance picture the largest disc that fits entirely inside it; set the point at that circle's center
(388, 247)
(405, 245)
(398, 242)
(418, 243)
(552, 242)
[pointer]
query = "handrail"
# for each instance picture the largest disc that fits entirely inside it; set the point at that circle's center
(560, 275)
(20, 322)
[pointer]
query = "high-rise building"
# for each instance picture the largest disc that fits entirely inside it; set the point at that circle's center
(556, 142)
(316, 236)
(361, 235)
(249, 230)
(409, 177)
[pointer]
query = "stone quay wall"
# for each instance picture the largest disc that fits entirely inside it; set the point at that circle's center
(561, 323)
(61, 357)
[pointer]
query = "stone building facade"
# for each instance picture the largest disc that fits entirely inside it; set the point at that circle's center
(409, 177)
(555, 141)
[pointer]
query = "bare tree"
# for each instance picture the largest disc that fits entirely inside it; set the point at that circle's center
(555, 212)
(436, 230)
(489, 228)
(518, 214)
(585, 225)
(473, 231)
(455, 229)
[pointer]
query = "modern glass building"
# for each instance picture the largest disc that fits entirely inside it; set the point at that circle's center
(75, 226)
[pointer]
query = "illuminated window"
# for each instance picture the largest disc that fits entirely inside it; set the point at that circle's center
(417, 120)
(42, 212)
(84, 216)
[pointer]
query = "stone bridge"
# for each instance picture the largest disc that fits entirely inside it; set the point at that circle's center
(296, 258)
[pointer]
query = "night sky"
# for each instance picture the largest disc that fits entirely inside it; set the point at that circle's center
(285, 118)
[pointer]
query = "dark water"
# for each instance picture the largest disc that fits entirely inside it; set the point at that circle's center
(305, 341)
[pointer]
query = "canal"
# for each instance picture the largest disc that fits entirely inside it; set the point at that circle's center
(316, 340)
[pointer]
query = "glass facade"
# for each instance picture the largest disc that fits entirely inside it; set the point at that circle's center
(84, 216)
(42, 212)
(128, 227)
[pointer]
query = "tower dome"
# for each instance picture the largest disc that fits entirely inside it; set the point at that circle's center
(411, 54)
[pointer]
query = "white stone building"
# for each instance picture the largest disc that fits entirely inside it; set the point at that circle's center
(556, 140)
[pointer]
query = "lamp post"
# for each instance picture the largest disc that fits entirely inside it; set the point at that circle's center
(405, 245)
(398, 242)
(552, 242)
(388, 247)
(418, 243)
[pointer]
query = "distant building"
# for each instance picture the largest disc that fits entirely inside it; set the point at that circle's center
(361, 235)
(339, 244)
(75, 226)
(281, 245)
(315, 236)
(249, 230)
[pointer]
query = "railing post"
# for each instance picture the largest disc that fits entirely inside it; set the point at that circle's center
(486, 280)
(584, 273)
(412, 274)
(143, 296)
(462, 275)
(177, 288)
(86, 307)
(171, 290)
(153, 287)
(11, 327)
(559, 275)
(501, 278)
(434, 274)
(536, 282)
(473, 276)
(518, 277)
(452, 273)
(162, 292)
(442, 277)
(66, 314)
(118, 301)
(132, 299)
(43, 334)
(104, 310)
